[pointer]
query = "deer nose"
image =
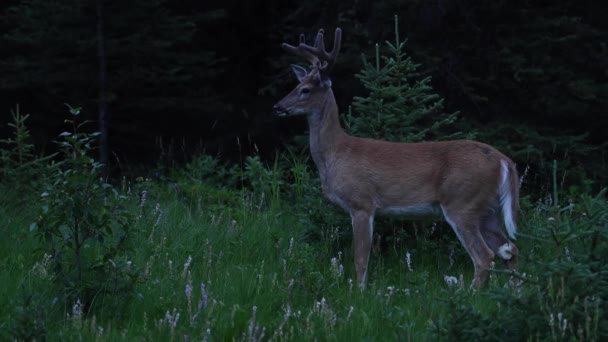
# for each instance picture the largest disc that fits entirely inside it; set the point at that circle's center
(278, 110)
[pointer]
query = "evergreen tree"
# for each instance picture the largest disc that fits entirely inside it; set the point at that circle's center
(400, 105)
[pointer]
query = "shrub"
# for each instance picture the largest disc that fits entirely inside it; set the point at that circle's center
(84, 225)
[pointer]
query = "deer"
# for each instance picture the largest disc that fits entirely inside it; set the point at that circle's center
(470, 183)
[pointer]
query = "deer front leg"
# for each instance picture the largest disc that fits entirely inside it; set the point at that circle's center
(363, 229)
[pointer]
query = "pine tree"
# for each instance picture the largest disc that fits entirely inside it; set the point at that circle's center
(400, 106)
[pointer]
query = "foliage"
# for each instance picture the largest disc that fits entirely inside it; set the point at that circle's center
(84, 227)
(19, 165)
(204, 181)
(400, 105)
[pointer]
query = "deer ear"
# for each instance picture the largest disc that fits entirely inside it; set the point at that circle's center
(299, 71)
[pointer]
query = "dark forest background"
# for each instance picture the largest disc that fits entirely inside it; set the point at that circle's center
(176, 77)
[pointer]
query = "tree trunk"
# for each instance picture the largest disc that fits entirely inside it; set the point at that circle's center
(102, 104)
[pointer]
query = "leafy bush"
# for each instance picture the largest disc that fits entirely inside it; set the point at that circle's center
(263, 180)
(84, 225)
(205, 182)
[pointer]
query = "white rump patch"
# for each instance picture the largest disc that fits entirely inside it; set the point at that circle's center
(506, 199)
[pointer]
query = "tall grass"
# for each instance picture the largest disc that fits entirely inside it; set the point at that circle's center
(237, 261)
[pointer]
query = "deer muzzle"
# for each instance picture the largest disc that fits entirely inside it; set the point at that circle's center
(279, 110)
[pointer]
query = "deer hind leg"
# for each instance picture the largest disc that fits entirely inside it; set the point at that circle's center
(467, 228)
(497, 241)
(363, 229)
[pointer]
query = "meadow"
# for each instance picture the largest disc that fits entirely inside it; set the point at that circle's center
(207, 251)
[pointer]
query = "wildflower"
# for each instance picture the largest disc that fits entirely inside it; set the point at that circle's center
(253, 331)
(449, 280)
(336, 269)
(207, 334)
(322, 309)
(142, 198)
(451, 256)
(290, 247)
(492, 274)
(350, 311)
(188, 292)
(202, 303)
(390, 290)
(563, 322)
(279, 331)
(523, 176)
(41, 268)
(171, 319)
(232, 226)
(408, 260)
(158, 218)
(77, 310)
(187, 266)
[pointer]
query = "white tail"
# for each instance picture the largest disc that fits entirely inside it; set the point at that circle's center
(468, 181)
(506, 199)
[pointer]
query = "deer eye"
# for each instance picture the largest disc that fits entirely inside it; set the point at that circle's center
(305, 90)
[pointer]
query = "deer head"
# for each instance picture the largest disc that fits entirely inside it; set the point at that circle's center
(315, 84)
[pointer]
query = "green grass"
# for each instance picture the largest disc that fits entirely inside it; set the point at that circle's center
(271, 257)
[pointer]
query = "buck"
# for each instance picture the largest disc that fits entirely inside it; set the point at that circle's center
(468, 182)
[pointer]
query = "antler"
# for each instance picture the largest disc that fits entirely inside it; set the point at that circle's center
(317, 54)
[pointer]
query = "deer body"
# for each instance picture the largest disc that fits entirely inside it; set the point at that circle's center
(467, 182)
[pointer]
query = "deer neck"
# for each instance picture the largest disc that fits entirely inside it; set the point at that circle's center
(325, 132)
